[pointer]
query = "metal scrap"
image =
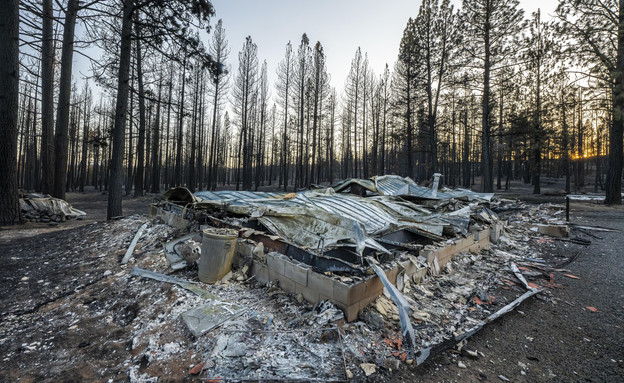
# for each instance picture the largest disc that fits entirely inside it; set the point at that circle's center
(211, 315)
(399, 300)
(176, 261)
(43, 208)
(133, 244)
(190, 286)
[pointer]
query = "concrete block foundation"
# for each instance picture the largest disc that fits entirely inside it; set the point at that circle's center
(296, 277)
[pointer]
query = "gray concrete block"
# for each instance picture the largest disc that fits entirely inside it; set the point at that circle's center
(275, 263)
(286, 284)
(152, 211)
(297, 271)
(206, 317)
(260, 271)
(496, 231)
(349, 293)
(559, 231)
(244, 248)
(307, 293)
(321, 284)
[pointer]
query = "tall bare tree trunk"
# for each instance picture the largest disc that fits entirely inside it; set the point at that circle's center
(191, 171)
(130, 153)
(466, 153)
(537, 152)
(167, 183)
(9, 83)
(121, 109)
(409, 133)
(64, 99)
(156, 146)
(499, 159)
(614, 169)
(285, 137)
(140, 169)
(486, 156)
(85, 144)
(47, 99)
(565, 143)
(177, 173)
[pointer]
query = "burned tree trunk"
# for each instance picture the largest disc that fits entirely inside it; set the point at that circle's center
(9, 83)
(47, 99)
(616, 131)
(140, 167)
(64, 99)
(177, 173)
(121, 109)
(156, 145)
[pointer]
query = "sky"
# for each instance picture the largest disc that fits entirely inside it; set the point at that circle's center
(340, 25)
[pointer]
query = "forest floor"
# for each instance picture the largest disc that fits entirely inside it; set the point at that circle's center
(63, 319)
(559, 339)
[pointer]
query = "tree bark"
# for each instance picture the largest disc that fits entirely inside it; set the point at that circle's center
(486, 157)
(167, 138)
(499, 172)
(614, 170)
(285, 129)
(121, 109)
(466, 153)
(212, 162)
(64, 99)
(191, 171)
(130, 158)
(140, 168)
(177, 172)
(565, 143)
(47, 99)
(85, 144)
(538, 135)
(9, 83)
(156, 145)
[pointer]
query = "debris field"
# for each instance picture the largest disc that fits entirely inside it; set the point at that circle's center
(346, 283)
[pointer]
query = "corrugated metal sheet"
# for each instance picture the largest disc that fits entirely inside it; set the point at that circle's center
(472, 196)
(374, 219)
(406, 187)
(378, 215)
(319, 220)
(346, 184)
(233, 195)
(390, 185)
(421, 192)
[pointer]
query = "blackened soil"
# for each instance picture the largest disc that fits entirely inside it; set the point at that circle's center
(554, 337)
(549, 338)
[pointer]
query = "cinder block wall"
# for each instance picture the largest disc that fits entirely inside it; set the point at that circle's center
(297, 277)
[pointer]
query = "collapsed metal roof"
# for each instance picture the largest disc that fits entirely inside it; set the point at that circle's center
(325, 218)
(391, 185)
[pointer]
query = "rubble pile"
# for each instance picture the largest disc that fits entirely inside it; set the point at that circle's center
(453, 264)
(44, 208)
(449, 297)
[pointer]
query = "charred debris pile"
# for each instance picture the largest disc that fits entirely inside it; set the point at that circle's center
(44, 208)
(363, 277)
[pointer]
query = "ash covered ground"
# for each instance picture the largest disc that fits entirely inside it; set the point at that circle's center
(71, 312)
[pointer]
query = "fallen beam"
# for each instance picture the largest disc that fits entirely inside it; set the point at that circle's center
(133, 244)
(424, 354)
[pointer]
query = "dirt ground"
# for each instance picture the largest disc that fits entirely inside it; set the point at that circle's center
(559, 340)
(546, 339)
